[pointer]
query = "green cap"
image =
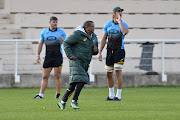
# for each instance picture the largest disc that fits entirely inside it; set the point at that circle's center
(117, 9)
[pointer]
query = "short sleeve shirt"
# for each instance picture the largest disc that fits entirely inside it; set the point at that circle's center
(115, 36)
(52, 40)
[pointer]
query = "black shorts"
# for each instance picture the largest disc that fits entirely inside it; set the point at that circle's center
(115, 56)
(53, 61)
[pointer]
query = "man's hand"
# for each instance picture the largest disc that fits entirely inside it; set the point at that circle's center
(95, 48)
(62, 39)
(118, 17)
(38, 59)
(72, 57)
(100, 57)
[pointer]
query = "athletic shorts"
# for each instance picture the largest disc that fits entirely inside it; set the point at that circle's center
(53, 61)
(115, 56)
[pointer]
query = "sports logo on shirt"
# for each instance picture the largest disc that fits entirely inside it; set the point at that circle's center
(85, 39)
(51, 38)
(113, 31)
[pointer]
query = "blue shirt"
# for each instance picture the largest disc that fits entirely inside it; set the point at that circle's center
(52, 40)
(114, 34)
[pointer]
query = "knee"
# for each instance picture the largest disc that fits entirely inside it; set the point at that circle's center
(109, 76)
(45, 77)
(118, 73)
(57, 76)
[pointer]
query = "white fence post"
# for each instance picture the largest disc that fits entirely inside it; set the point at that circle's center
(164, 77)
(17, 77)
(90, 73)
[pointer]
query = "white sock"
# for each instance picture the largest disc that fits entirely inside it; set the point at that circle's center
(62, 102)
(118, 94)
(73, 100)
(42, 95)
(111, 93)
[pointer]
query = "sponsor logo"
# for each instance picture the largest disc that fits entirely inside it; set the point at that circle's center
(85, 39)
(51, 38)
(113, 31)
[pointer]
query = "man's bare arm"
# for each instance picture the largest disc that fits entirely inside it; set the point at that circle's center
(102, 44)
(39, 51)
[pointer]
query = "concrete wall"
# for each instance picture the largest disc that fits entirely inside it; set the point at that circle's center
(73, 20)
(141, 26)
(100, 6)
(1, 4)
(152, 19)
(34, 80)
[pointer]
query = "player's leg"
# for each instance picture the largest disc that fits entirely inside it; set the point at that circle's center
(44, 83)
(57, 64)
(119, 84)
(77, 92)
(45, 77)
(119, 61)
(109, 69)
(110, 81)
(66, 96)
(47, 68)
(118, 74)
(57, 73)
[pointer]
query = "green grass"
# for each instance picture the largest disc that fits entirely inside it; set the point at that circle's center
(143, 103)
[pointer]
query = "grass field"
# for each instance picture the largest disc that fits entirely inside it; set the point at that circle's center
(143, 103)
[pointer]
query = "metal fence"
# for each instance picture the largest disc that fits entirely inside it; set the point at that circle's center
(143, 56)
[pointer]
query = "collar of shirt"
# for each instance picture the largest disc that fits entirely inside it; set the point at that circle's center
(52, 31)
